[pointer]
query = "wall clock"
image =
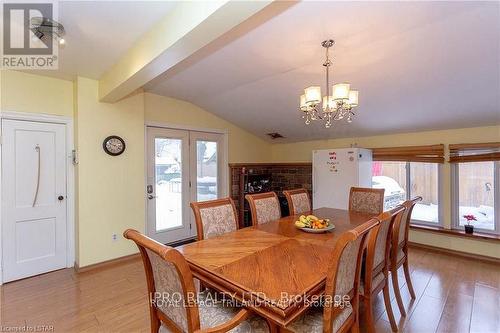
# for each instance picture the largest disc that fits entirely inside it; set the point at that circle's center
(113, 145)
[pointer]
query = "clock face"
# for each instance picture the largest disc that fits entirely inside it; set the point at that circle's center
(114, 145)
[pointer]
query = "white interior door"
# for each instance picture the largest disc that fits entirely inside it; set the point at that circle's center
(34, 213)
(167, 191)
(183, 166)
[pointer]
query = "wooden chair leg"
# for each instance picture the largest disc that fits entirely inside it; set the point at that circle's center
(397, 291)
(408, 278)
(355, 326)
(388, 308)
(370, 321)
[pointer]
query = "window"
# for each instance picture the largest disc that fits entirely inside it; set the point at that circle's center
(405, 180)
(476, 186)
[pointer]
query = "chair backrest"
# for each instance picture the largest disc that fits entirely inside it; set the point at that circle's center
(378, 248)
(402, 226)
(343, 275)
(215, 217)
(170, 285)
(264, 207)
(298, 201)
(366, 200)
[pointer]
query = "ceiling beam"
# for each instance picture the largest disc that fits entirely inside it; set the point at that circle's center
(186, 29)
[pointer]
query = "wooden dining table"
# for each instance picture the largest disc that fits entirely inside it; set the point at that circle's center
(274, 269)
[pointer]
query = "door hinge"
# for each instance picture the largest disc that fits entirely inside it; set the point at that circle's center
(190, 184)
(190, 226)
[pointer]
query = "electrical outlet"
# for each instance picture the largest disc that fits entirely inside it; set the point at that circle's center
(114, 237)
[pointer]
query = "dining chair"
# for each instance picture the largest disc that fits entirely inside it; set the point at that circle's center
(214, 217)
(264, 207)
(174, 305)
(376, 272)
(399, 251)
(340, 312)
(298, 201)
(366, 200)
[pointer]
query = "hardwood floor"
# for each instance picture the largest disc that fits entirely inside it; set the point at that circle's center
(453, 295)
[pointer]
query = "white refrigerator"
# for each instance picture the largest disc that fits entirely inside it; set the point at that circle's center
(335, 171)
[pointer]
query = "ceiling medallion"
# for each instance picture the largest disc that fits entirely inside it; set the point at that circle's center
(333, 107)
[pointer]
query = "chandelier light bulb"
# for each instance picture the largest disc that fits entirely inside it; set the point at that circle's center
(329, 103)
(340, 91)
(353, 97)
(313, 95)
(303, 104)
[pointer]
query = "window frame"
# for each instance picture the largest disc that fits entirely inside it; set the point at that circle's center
(455, 198)
(439, 223)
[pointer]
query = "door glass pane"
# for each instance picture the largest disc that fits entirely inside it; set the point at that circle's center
(424, 182)
(476, 193)
(168, 179)
(390, 176)
(206, 170)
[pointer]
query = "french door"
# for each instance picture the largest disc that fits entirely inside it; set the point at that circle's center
(182, 167)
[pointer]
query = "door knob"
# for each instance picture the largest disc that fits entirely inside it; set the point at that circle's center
(150, 196)
(60, 198)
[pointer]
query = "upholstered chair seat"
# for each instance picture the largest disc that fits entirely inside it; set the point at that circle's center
(298, 201)
(340, 311)
(213, 313)
(264, 207)
(312, 321)
(366, 200)
(376, 271)
(215, 217)
(399, 252)
(174, 304)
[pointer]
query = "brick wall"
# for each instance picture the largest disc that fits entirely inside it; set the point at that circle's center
(283, 177)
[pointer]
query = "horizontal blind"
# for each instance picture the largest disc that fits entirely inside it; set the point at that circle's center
(475, 152)
(428, 154)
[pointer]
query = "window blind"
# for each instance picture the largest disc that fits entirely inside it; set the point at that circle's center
(475, 152)
(428, 154)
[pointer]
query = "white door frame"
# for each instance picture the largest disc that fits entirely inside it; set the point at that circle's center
(225, 161)
(70, 176)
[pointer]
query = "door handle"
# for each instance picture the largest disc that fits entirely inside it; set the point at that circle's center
(60, 198)
(151, 197)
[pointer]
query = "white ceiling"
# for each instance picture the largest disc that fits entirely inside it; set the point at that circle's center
(98, 33)
(417, 65)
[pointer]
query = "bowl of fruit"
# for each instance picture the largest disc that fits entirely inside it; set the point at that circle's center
(313, 224)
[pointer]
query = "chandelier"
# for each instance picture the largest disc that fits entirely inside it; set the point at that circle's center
(333, 107)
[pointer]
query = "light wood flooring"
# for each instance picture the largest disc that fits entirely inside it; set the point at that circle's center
(453, 295)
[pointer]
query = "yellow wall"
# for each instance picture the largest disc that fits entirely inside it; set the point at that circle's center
(111, 189)
(243, 146)
(24, 92)
(302, 152)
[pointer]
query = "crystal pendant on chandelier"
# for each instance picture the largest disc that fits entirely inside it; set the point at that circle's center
(331, 107)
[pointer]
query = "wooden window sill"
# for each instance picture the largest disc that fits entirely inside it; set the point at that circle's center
(458, 233)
